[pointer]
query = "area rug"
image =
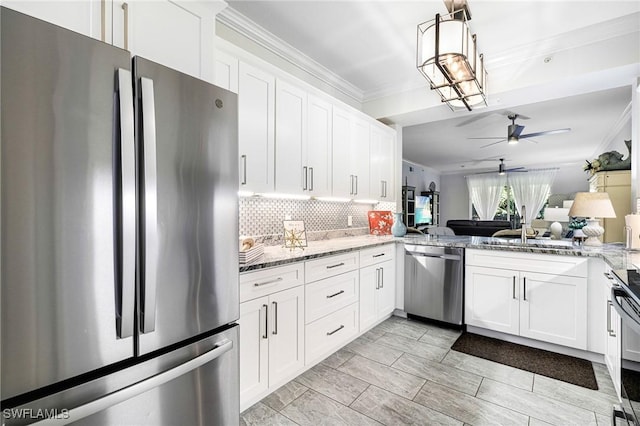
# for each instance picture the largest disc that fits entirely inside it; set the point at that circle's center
(557, 366)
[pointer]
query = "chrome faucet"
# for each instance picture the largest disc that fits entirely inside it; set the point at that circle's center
(523, 223)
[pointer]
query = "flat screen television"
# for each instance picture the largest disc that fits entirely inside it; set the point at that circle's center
(423, 210)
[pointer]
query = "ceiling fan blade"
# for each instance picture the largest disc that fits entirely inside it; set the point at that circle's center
(518, 130)
(546, 132)
(490, 137)
(493, 143)
(515, 169)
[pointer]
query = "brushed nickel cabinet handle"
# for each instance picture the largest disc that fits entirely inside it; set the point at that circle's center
(378, 255)
(125, 8)
(335, 266)
(275, 280)
(266, 322)
(335, 294)
(244, 169)
(524, 286)
(275, 318)
(310, 178)
(329, 333)
(514, 287)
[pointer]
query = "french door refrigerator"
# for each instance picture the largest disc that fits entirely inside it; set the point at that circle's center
(119, 226)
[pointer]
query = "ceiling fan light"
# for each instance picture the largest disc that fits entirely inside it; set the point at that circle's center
(512, 140)
(448, 58)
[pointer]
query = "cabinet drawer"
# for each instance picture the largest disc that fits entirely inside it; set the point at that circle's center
(266, 281)
(330, 266)
(531, 262)
(376, 254)
(329, 333)
(328, 295)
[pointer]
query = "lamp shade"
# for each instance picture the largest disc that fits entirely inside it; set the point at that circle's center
(556, 214)
(592, 204)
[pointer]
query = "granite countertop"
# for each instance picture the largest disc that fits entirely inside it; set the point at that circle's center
(614, 254)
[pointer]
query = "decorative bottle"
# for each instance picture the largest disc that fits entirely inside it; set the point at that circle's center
(398, 229)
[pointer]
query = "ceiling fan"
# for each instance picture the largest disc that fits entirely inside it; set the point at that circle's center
(502, 169)
(514, 133)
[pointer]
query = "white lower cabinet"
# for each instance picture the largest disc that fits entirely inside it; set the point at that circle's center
(612, 336)
(271, 340)
(330, 333)
(377, 286)
(550, 307)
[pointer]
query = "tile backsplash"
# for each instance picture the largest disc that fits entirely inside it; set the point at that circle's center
(262, 218)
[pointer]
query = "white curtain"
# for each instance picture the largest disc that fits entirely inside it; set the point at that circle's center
(531, 189)
(484, 192)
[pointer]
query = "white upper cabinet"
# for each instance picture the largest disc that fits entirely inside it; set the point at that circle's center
(317, 150)
(292, 173)
(342, 171)
(382, 148)
(360, 158)
(226, 71)
(256, 137)
(84, 17)
(177, 34)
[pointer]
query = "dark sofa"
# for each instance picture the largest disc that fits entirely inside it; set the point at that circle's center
(478, 228)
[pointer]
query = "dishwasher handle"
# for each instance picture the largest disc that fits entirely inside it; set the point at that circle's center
(436, 256)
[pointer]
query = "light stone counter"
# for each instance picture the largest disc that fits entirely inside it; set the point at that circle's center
(614, 254)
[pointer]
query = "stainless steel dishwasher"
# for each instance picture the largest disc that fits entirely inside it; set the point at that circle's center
(434, 283)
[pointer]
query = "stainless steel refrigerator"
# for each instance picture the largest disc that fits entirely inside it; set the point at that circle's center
(119, 224)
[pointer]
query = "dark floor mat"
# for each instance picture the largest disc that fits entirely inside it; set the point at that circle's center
(557, 366)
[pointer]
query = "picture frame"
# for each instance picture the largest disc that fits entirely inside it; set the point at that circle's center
(295, 235)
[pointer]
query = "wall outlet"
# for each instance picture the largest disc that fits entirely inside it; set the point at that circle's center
(287, 217)
(349, 220)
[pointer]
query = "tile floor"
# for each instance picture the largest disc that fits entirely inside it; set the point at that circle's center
(403, 372)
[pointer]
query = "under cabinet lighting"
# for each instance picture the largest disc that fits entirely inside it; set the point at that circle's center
(366, 201)
(333, 199)
(276, 195)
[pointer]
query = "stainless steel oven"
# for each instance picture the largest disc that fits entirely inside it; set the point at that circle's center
(626, 301)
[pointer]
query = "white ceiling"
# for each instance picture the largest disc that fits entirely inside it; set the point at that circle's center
(369, 47)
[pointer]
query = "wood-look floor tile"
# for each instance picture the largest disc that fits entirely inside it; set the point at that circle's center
(338, 358)
(412, 346)
(493, 370)
(261, 415)
(390, 409)
(603, 420)
(313, 408)
(605, 384)
(535, 405)
(376, 352)
(536, 422)
(446, 375)
(404, 328)
(333, 383)
(441, 337)
(576, 395)
(391, 379)
(284, 395)
(467, 408)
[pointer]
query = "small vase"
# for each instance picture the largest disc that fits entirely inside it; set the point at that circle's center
(398, 229)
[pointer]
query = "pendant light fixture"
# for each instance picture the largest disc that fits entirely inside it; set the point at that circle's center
(448, 57)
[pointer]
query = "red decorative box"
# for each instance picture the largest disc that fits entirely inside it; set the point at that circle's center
(380, 222)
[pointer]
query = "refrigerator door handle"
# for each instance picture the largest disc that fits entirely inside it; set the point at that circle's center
(150, 217)
(129, 392)
(126, 290)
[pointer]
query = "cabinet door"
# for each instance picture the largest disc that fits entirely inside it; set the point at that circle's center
(254, 348)
(342, 172)
(491, 298)
(177, 34)
(286, 335)
(359, 158)
(226, 71)
(369, 277)
(386, 293)
(614, 227)
(382, 145)
(612, 339)
(83, 17)
(553, 308)
(317, 150)
(292, 175)
(256, 115)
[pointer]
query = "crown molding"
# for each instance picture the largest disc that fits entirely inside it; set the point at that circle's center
(254, 32)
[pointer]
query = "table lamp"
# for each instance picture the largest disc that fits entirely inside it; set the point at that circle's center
(592, 205)
(556, 215)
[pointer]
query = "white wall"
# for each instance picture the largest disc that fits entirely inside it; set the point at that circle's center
(414, 174)
(454, 198)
